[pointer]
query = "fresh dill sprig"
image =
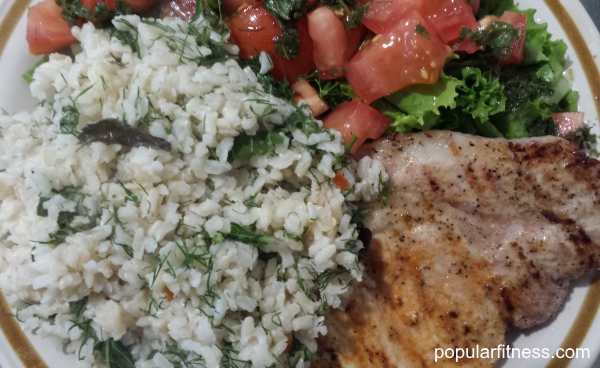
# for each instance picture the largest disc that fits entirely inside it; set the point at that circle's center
(241, 234)
(129, 195)
(385, 189)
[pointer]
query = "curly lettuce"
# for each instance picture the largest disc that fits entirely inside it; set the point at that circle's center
(477, 95)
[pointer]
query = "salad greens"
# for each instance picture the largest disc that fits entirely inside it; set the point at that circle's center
(477, 95)
(334, 92)
(499, 37)
(288, 43)
(287, 10)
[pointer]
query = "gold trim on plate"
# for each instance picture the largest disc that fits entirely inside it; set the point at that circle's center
(591, 304)
(10, 21)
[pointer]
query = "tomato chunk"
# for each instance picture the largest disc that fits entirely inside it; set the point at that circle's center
(447, 17)
(467, 46)
(356, 118)
(294, 68)
(184, 9)
(170, 295)
(356, 36)
(340, 181)
(253, 30)
(47, 31)
(91, 4)
(305, 92)
(384, 14)
(330, 41)
(231, 6)
(138, 5)
(475, 5)
(397, 59)
(568, 122)
(520, 22)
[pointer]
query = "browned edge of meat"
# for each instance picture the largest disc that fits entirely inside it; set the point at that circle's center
(478, 235)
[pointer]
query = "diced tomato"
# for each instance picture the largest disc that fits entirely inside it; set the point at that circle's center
(448, 17)
(292, 69)
(47, 31)
(91, 4)
(183, 9)
(170, 295)
(305, 92)
(399, 58)
(356, 118)
(520, 22)
(138, 5)
(467, 46)
(475, 6)
(231, 6)
(356, 36)
(289, 342)
(340, 181)
(568, 122)
(384, 14)
(330, 42)
(253, 30)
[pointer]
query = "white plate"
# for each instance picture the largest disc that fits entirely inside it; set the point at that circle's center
(14, 97)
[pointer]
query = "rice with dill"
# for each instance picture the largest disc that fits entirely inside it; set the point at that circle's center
(182, 257)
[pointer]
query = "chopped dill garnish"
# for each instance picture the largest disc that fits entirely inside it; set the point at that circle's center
(385, 189)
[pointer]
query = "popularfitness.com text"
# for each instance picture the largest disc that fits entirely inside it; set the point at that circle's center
(508, 352)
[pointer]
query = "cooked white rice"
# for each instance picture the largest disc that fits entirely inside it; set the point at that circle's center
(233, 303)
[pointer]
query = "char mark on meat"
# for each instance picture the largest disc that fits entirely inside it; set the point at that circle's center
(490, 233)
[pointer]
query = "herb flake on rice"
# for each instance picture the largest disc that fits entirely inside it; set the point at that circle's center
(225, 250)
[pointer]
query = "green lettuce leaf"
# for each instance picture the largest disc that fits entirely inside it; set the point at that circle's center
(480, 95)
(460, 121)
(570, 101)
(540, 47)
(418, 106)
(477, 95)
(532, 119)
(463, 101)
(537, 87)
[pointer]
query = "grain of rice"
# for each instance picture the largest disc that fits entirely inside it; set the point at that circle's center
(149, 236)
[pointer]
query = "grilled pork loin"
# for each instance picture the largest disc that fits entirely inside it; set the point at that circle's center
(478, 235)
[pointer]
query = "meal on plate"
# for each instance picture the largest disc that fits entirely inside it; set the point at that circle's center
(241, 183)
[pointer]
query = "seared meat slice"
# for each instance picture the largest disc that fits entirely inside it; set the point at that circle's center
(479, 234)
